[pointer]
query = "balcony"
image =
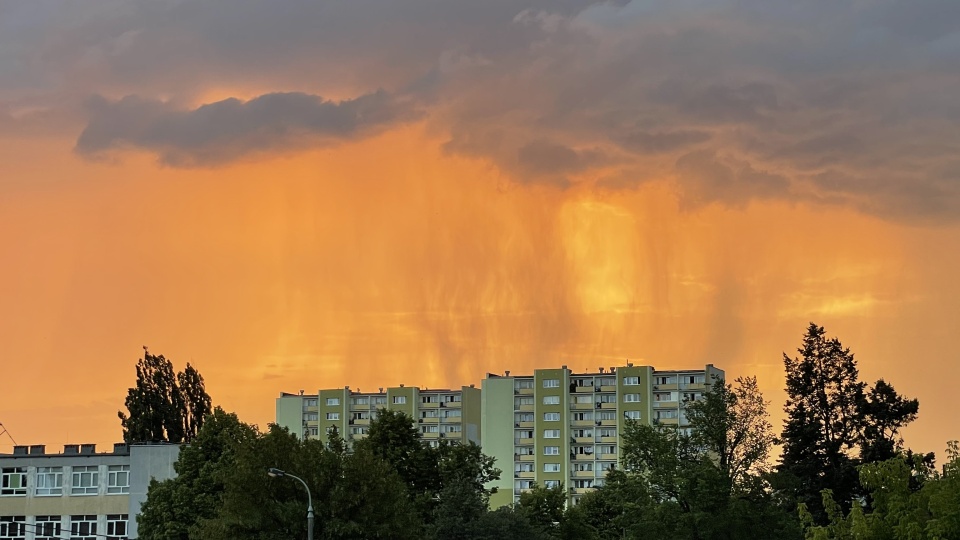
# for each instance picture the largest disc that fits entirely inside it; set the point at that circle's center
(452, 419)
(584, 390)
(671, 386)
(611, 422)
(608, 388)
(582, 406)
(607, 456)
(526, 457)
(522, 442)
(665, 404)
(430, 420)
(583, 474)
(608, 405)
(452, 404)
(667, 421)
(523, 391)
(430, 405)
(523, 424)
(693, 386)
(583, 423)
(523, 408)
(611, 440)
(583, 440)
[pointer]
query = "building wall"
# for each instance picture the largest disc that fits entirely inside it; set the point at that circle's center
(290, 413)
(148, 462)
(497, 404)
(472, 417)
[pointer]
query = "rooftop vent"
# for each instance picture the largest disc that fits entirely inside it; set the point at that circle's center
(37, 450)
(121, 448)
(20, 450)
(71, 449)
(87, 449)
(601, 370)
(506, 373)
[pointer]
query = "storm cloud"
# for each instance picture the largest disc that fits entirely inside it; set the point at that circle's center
(732, 100)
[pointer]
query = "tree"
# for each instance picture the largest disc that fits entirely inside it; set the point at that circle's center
(732, 424)
(164, 405)
(175, 507)
(543, 507)
(884, 413)
(824, 397)
(830, 413)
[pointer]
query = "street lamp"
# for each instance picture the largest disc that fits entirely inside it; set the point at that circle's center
(277, 473)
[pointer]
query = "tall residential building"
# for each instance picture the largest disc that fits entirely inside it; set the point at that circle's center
(556, 427)
(78, 494)
(440, 413)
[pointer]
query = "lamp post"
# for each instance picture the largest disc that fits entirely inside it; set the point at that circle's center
(277, 473)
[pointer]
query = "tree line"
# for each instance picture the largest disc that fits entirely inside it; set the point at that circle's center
(843, 472)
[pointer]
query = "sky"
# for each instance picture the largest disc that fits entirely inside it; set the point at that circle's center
(311, 194)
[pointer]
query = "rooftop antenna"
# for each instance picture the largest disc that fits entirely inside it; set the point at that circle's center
(5, 430)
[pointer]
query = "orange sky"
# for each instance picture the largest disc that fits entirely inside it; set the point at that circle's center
(528, 188)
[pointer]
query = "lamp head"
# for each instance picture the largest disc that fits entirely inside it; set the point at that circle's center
(275, 473)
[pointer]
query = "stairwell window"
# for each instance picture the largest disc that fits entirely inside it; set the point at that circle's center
(551, 434)
(399, 400)
(333, 416)
(551, 383)
(551, 400)
(631, 398)
(631, 381)
(551, 450)
(333, 401)
(551, 467)
(551, 417)
(632, 415)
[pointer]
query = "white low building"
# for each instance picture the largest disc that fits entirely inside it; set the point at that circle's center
(78, 494)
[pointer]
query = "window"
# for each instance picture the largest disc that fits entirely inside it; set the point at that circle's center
(608, 398)
(523, 467)
(631, 381)
(430, 413)
(551, 400)
(524, 417)
(430, 428)
(551, 484)
(452, 398)
(631, 398)
(582, 433)
(523, 384)
(580, 416)
(661, 415)
(582, 483)
(13, 527)
(551, 450)
(551, 433)
(582, 450)
(551, 417)
(309, 403)
(526, 434)
(691, 396)
(47, 528)
(361, 400)
(608, 449)
(453, 428)
(430, 399)
(452, 413)
(313, 432)
(633, 415)
(519, 402)
(332, 401)
(608, 432)
(551, 383)
(380, 400)
(310, 417)
(333, 416)
(85, 481)
(117, 527)
(551, 467)
(83, 527)
(663, 380)
(360, 416)
(399, 400)
(583, 398)
(663, 396)
(360, 430)
(118, 479)
(608, 381)
(523, 450)
(14, 481)
(49, 481)
(524, 484)
(606, 415)
(582, 466)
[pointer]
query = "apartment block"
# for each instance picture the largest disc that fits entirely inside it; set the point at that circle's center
(78, 494)
(556, 427)
(439, 413)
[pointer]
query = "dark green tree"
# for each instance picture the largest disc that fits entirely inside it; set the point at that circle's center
(543, 507)
(885, 413)
(823, 424)
(164, 405)
(174, 508)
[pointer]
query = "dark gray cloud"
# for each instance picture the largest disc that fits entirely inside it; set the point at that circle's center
(714, 91)
(230, 129)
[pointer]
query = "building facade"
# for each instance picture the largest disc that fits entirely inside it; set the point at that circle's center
(555, 427)
(448, 414)
(79, 494)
